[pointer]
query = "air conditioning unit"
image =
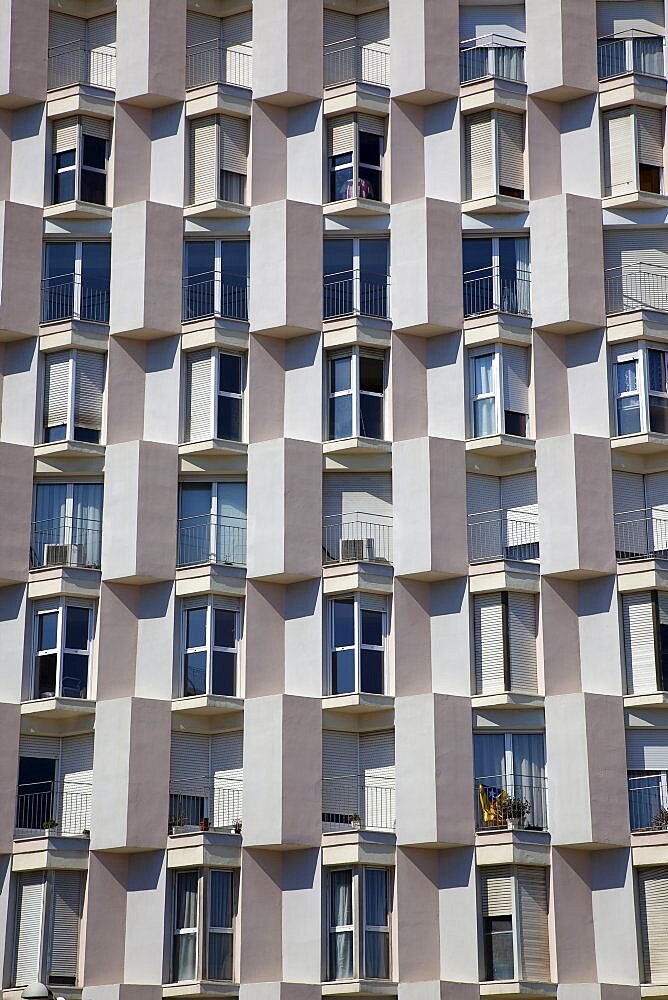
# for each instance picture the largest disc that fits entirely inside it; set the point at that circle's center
(357, 549)
(62, 554)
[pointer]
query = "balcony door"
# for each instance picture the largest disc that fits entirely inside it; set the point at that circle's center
(212, 523)
(510, 766)
(355, 277)
(67, 514)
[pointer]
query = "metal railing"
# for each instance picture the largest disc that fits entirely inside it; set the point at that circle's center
(648, 802)
(498, 534)
(357, 537)
(66, 541)
(211, 62)
(74, 62)
(636, 286)
(492, 288)
(61, 808)
(211, 538)
(504, 800)
(210, 294)
(641, 534)
(356, 293)
(358, 801)
(491, 56)
(67, 296)
(356, 60)
(208, 803)
(633, 52)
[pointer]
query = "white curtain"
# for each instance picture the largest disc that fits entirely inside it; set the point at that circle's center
(490, 758)
(87, 521)
(341, 915)
(231, 529)
(523, 271)
(529, 774)
(185, 929)
(484, 410)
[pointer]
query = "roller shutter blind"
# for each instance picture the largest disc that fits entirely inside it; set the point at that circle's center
(341, 135)
(76, 765)
(647, 749)
(613, 16)
(520, 506)
(635, 245)
(371, 124)
(656, 495)
(101, 31)
(653, 892)
(483, 493)
(39, 746)
(233, 143)
(227, 769)
(649, 125)
(373, 603)
(510, 149)
(479, 153)
(522, 633)
(65, 134)
(29, 908)
(56, 389)
(67, 893)
(89, 374)
(99, 127)
(340, 772)
(65, 29)
(507, 20)
(190, 762)
(238, 42)
(488, 643)
(618, 151)
(203, 160)
(496, 891)
(101, 37)
(628, 492)
(532, 924)
(374, 27)
(199, 399)
(373, 33)
(376, 756)
(338, 27)
(515, 379)
(201, 28)
(639, 646)
(351, 493)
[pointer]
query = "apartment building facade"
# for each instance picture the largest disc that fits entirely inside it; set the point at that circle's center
(334, 494)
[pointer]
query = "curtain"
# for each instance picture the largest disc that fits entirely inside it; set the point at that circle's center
(484, 410)
(50, 526)
(529, 775)
(220, 916)
(341, 915)
(185, 944)
(376, 942)
(231, 531)
(87, 522)
(523, 275)
(489, 758)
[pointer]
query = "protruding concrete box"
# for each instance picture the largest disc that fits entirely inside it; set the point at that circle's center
(131, 775)
(575, 506)
(429, 500)
(16, 466)
(20, 269)
(434, 760)
(424, 66)
(10, 721)
(284, 510)
(286, 269)
(567, 290)
(24, 32)
(141, 500)
(151, 62)
(426, 267)
(561, 49)
(283, 754)
(146, 268)
(287, 51)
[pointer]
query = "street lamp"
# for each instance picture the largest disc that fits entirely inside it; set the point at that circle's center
(38, 991)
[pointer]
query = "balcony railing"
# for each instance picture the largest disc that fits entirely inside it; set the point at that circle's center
(356, 537)
(74, 62)
(648, 802)
(211, 62)
(355, 60)
(67, 296)
(209, 294)
(493, 289)
(58, 541)
(498, 534)
(208, 803)
(211, 538)
(61, 808)
(491, 56)
(504, 800)
(641, 534)
(352, 293)
(634, 52)
(355, 801)
(636, 286)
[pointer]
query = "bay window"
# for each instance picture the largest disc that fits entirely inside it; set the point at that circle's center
(210, 630)
(356, 394)
(214, 395)
(515, 943)
(75, 283)
(494, 154)
(215, 279)
(357, 639)
(499, 390)
(62, 639)
(204, 909)
(355, 151)
(80, 159)
(48, 920)
(73, 396)
(633, 139)
(212, 523)
(496, 275)
(640, 385)
(359, 906)
(356, 277)
(510, 779)
(67, 526)
(219, 159)
(505, 629)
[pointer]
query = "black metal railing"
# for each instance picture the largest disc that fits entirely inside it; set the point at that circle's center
(356, 293)
(207, 803)
(633, 52)
(66, 541)
(358, 801)
(507, 800)
(357, 537)
(491, 56)
(74, 62)
(210, 294)
(211, 538)
(355, 60)
(67, 296)
(492, 288)
(498, 534)
(62, 808)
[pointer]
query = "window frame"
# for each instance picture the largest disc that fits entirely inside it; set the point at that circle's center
(70, 426)
(46, 931)
(60, 607)
(77, 282)
(355, 273)
(355, 353)
(359, 927)
(217, 276)
(638, 352)
(495, 276)
(78, 167)
(498, 393)
(358, 599)
(357, 165)
(203, 929)
(215, 356)
(212, 603)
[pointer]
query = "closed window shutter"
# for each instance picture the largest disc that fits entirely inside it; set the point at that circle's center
(227, 769)
(56, 389)
(496, 889)
(100, 127)
(201, 28)
(483, 493)
(189, 762)
(39, 746)
(374, 27)
(479, 155)
(101, 35)
(67, 889)
(614, 16)
(377, 773)
(488, 643)
(635, 245)
(238, 29)
(653, 892)
(89, 375)
(29, 906)
(649, 125)
(639, 649)
(373, 33)
(516, 379)
(203, 157)
(65, 29)
(522, 633)
(341, 135)
(477, 20)
(340, 772)
(532, 928)
(337, 27)
(628, 492)
(373, 602)
(76, 765)
(656, 491)
(372, 124)
(199, 405)
(64, 135)
(238, 41)
(101, 31)
(350, 493)
(520, 505)
(647, 749)
(233, 143)
(510, 149)
(618, 148)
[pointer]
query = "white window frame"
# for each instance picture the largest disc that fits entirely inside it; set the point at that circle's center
(77, 279)
(358, 599)
(46, 932)
(637, 351)
(219, 393)
(60, 608)
(354, 354)
(212, 604)
(203, 927)
(218, 272)
(515, 932)
(359, 925)
(357, 164)
(356, 271)
(78, 168)
(498, 393)
(73, 356)
(213, 506)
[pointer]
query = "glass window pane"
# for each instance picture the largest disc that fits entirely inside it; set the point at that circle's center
(76, 628)
(59, 259)
(225, 628)
(483, 374)
(74, 683)
(223, 673)
(195, 499)
(340, 417)
(229, 373)
(65, 159)
(96, 261)
(186, 900)
(63, 187)
(45, 680)
(343, 672)
(341, 898)
(94, 152)
(484, 417)
(370, 183)
(184, 957)
(658, 414)
(371, 671)
(338, 256)
(195, 627)
(93, 187)
(477, 254)
(220, 965)
(374, 256)
(234, 257)
(56, 433)
(372, 374)
(627, 376)
(370, 148)
(343, 614)
(199, 257)
(371, 416)
(221, 886)
(376, 955)
(499, 948)
(375, 897)
(47, 630)
(340, 177)
(656, 362)
(372, 627)
(228, 425)
(628, 415)
(341, 955)
(194, 680)
(340, 374)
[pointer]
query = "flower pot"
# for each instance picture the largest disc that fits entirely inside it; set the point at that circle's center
(515, 824)
(204, 824)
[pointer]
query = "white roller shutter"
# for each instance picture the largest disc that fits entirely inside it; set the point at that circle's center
(516, 379)
(64, 135)
(371, 124)
(618, 151)
(199, 398)
(233, 143)
(635, 245)
(377, 771)
(647, 749)
(56, 388)
(507, 20)
(613, 16)
(89, 376)
(238, 42)
(227, 769)
(656, 496)
(203, 160)
(628, 492)
(479, 154)
(374, 27)
(340, 773)
(189, 762)
(39, 746)
(639, 643)
(653, 892)
(488, 643)
(29, 908)
(373, 33)
(65, 29)
(201, 28)
(496, 891)
(532, 931)
(76, 766)
(483, 493)
(338, 27)
(520, 505)
(101, 37)
(101, 31)
(340, 135)
(522, 633)
(510, 149)
(352, 493)
(67, 896)
(649, 125)
(100, 127)
(373, 602)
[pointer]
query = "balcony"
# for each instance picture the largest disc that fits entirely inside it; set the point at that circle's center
(491, 57)
(58, 808)
(634, 52)
(211, 62)
(210, 539)
(205, 804)
(641, 534)
(358, 802)
(492, 289)
(499, 534)
(222, 296)
(359, 537)
(74, 63)
(648, 802)
(68, 297)
(355, 293)
(74, 542)
(356, 61)
(636, 286)
(507, 801)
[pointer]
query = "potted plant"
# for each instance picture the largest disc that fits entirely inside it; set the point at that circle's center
(204, 824)
(514, 810)
(355, 821)
(236, 826)
(660, 821)
(49, 824)
(85, 832)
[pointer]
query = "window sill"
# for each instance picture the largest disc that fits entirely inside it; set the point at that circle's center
(651, 699)
(500, 445)
(214, 446)
(642, 574)
(494, 204)
(632, 89)
(649, 443)
(492, 92)
(200, 988)
(59, 708)
(516, 988)
(63, 581)
(207, 705)
(69, 449)
(496, 326)
(357, 446)
(637, 324)
(356, 207)
(217, 209)
(357, 704)
(648, 990)
(507, 699)
(512, 847)
(344, 578)
(635, 199)
(192, 581)
(48, 851)
(359, 988)
(80, 99)
(218, 98)
(356, 96)
(77, 210)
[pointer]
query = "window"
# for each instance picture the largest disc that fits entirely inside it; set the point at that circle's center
(515, 943)
(499, 386)
(63, 634)
(494, 154)
(76, 281)
(82, 50)
(356, 48)
(496, 275)
(214, 396)
(358, 788)
(219, 49)
(358, 630)
(203, 925)
(48, 916)
(505, 628)
(212, 523)
(356, 394)
(218, 159)
(356, 277)
(645, 621)
(206, 781)
(647, 765)
(653, 895)
(640, 381)
(355, 150)
(80, 157)
(73, 395)
(510, 782)
(502, 517)
(211, 631)
(54, 792)
(633, 141)
(215, 281)
(359, 907)
(67, 529)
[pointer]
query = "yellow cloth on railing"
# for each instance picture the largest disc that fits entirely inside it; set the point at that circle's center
(491, 801)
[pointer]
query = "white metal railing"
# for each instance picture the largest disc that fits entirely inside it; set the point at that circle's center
(66, 541)
(503, 799)
(648, 802)
(74, 62)
(498, 534)
(207, 803)
(68, 296)
(358, 801)
(212, 538)
(215, 294)
(493, 288)
(356, 60)
(212, 62)
(633, 52)
(636, 286)
(356, 292)
(356, 537)
(641, 534)
(491, 56)
(61, 808)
